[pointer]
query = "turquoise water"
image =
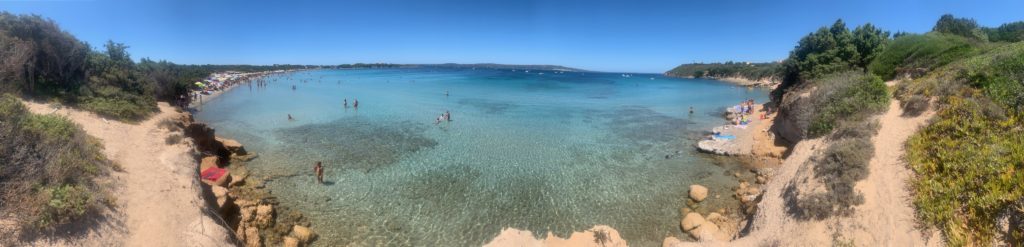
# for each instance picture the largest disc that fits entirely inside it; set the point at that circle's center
(556, 152)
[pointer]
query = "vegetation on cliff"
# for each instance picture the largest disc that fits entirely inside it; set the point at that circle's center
(38, 59)
(967, 161)
(47, 167)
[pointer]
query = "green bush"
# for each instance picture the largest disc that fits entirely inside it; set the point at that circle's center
(64, 204)
(47, 167)
(969, 170)
(914, 105)
(845, 96)
(916, 54)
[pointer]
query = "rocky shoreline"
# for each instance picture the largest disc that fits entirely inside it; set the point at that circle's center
(255, 216)
(755, 145)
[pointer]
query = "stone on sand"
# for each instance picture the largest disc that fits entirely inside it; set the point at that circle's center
(692, 221)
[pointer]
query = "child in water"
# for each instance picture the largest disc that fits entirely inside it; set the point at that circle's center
(318, 169)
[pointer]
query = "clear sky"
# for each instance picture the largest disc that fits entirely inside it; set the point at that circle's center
(617, 36)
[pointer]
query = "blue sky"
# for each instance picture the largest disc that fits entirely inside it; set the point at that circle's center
(617, 36)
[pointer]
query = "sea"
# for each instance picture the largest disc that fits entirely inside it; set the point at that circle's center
(538, 150)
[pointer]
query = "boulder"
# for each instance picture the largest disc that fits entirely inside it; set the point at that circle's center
(715, 217)
(291, 242)
(223, 200)
(207, 162)
(233, 146)
(264, 215)
(303, 234)
(245, 158)
(692, 221)
(671, 242)
(252, 237)
(698, 192)
(708, 231)
(248, 213)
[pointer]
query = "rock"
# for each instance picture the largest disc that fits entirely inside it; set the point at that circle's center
(252, 237)
(761, 179)
(303, 234)
(233, 146)
(671, 242)
(704, 231)
(207, 162)
(684, 211)
(691, 221)
(245, 158)
(264, 215)
(714, 217)
(236, 180)
(247, 212)
(744, 185)
(698, 192)
(754, 191)
(291, 242)
(719, 147)
(223, 200)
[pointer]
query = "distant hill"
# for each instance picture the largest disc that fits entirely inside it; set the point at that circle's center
(743, 70)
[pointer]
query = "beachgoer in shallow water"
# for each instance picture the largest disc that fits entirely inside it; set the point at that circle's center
(691, 110)
(439, 119)
(290, 117)
(319, 171)
(345, 102)
(293, 87)
(447, 116)
(355, 103)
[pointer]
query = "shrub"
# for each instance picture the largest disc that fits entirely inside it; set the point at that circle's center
(915, 54)
(839, 167)
(173, 139)
(849, 95)
(968, 166)
(47, 167)
(855, 129)
(914, 105)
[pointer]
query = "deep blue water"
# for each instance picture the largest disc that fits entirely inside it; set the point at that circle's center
(544, 152)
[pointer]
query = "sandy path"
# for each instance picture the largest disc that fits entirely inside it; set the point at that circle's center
(885, 219)
(158, 194)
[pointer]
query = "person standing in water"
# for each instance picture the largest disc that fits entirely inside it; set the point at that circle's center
(318, 169)
(290, 117)
(355, 103)
(691, 110)
(345, 102)
(447, 116)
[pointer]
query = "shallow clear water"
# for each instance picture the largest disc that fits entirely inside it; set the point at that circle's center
(556, 152)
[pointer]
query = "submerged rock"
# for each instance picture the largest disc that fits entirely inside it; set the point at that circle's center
(303, 234)
(698, 192)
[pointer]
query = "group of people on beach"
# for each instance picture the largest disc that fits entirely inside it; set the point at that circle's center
(744, 110)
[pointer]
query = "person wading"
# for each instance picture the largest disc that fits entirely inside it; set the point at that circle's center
(318, 169)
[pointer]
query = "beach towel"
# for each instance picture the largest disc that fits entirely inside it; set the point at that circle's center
(724, 137)
(213, 173)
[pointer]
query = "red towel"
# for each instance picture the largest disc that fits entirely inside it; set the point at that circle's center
(213, 173)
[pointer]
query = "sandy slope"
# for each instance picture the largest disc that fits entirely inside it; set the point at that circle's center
(158, 193)
(885, 219)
